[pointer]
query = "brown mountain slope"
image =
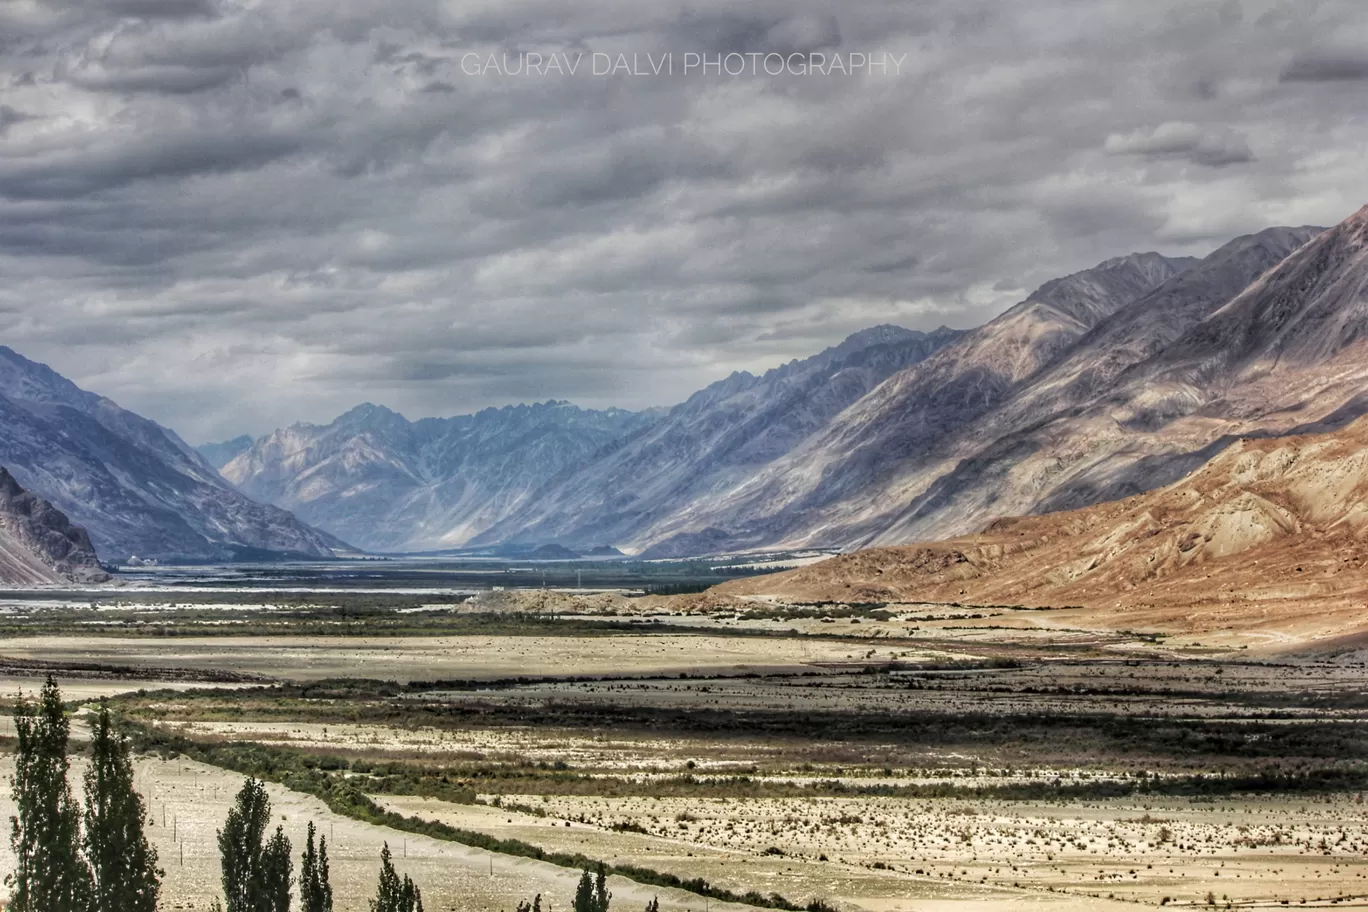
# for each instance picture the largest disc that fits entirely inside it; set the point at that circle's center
(1261, 533)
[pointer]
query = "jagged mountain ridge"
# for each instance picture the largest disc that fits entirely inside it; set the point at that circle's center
(939, 449)
(1058, 442)
(715, 440)
(133, 485)
(388, 484)
(892, 421)
(1306, 313)
(223, 452)
(1145, 327)
(38, 544)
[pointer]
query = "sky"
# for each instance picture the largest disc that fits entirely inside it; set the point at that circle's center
(230, 216)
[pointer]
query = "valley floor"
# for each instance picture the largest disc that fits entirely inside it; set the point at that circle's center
(889, 759)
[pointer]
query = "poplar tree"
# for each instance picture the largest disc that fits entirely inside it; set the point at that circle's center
(394, 895)
(276, 867)
(123, 867)
(592, 894)
(315, 892)
(49, 874)
(256, 874)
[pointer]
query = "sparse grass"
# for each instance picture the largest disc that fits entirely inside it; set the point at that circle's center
(349, 795)
(903, 765)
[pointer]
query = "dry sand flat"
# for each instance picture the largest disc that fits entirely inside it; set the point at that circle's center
(194, 800)
(435, 658)
(610, 756)
(605, 750)
(1250, 852)
(86, 689)
(850, 886)
(974, 855)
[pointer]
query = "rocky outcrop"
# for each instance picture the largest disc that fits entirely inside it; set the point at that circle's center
(38, 544)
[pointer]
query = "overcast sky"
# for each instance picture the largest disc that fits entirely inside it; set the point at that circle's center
(230, 216)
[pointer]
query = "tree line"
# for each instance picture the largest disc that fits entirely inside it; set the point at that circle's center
(95, 857)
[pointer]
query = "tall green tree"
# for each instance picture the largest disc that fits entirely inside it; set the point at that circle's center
(315, 892)
(276, 867)
(394, 895)
(592, 894)
(256, 874)
(123, 867)
(49, 875)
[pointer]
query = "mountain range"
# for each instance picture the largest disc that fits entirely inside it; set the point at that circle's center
(708, 446)
(1098, 385)
(136, 487)
(1049, 406)
(1254, 410)
(388, 484)
(823, 487)
(1112, 381)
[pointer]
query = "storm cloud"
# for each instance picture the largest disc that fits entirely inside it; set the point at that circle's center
(232, 216)
(1185, 141)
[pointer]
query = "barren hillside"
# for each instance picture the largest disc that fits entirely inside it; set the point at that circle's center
(38, 544)
(1270, 530)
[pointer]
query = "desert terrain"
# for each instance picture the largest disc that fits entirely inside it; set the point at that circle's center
(734, 749)
(1264, 540)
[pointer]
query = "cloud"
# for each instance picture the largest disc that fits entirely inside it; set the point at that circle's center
(168, 78)
(9, 117)
(231, 216)
(123, 160)
(1185, 141)
(1327, 66)
(165, 9)
(144, 9)
(803, 33)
